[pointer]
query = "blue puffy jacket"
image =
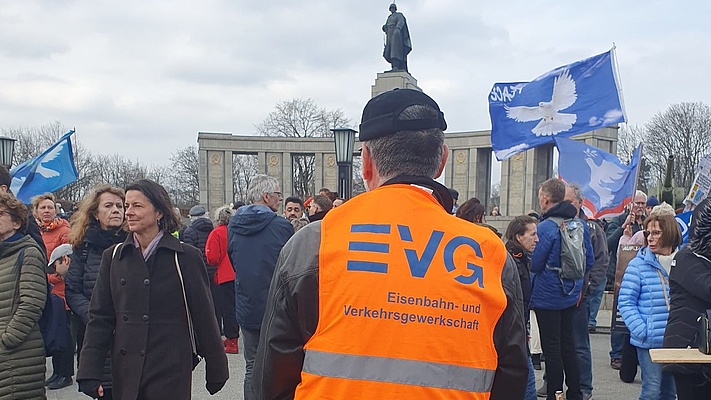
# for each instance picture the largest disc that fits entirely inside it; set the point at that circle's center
(641, 300)
(548, 292)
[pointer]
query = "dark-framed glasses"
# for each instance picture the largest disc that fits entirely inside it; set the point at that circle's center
(652, 233)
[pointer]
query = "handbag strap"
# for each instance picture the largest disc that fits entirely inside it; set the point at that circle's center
(664, 289)
(187, 309)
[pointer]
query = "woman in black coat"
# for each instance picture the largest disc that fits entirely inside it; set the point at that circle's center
(96, 226)
(690, 293)
(138, 309)
(521, 239)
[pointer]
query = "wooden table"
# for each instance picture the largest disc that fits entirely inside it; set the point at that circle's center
(679, 356)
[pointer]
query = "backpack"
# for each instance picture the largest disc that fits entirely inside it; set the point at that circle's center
(53, 322)
(572, 248)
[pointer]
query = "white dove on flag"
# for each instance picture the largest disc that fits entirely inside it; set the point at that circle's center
(602, 177)
(552, 122)
(44, 171)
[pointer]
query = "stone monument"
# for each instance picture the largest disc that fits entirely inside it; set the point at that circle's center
(397, 47)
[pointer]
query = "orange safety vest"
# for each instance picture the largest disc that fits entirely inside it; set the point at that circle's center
(408, 300)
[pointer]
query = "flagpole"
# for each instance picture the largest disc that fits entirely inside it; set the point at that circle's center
(639, 165)
(616, 76)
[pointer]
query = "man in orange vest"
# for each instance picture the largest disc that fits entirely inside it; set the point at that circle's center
(394, 299)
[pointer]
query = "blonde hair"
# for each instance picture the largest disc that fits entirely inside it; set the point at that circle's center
(662, 209)
(42, 197)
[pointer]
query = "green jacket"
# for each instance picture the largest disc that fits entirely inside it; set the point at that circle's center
(22, 298)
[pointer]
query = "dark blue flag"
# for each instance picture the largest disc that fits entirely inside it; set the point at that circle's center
(569, 100)
(51, 170)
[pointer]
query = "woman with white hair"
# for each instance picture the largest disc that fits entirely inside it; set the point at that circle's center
(216, 255)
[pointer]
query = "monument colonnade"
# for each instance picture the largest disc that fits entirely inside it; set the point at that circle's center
(468, 168)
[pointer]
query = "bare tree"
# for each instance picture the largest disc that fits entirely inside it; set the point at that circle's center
(302, 175)
(628, 138)
(358, 183)
(244, 168)
(182, 182)
(495, 195)
(302, 118)
(32, 141)
(683, 130)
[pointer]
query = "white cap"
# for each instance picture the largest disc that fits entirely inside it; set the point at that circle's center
(59, 252)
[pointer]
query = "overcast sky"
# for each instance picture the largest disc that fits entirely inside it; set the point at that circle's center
(142, 78)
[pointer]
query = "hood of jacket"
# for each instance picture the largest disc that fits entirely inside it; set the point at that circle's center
(252, 219)
(202, 225)
(645, 255)
(564, 209)
(700, 230)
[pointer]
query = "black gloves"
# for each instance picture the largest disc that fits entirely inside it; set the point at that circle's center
(90, 387)
(214, 387)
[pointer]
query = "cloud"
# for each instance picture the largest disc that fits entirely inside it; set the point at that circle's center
(143, 80)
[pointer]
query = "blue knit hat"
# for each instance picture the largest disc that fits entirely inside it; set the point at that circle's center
(652, 201)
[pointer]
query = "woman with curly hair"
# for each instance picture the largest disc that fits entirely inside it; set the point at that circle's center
(96, 226)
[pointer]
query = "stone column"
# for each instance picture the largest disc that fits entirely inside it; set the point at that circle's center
(202, 176)
(229, 180)
(216, 179)
(513, 185)
(483, 176)
(287, 181)
(330, 172)
(459, 173)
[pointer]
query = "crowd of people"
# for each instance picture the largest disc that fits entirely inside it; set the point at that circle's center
(364, 298)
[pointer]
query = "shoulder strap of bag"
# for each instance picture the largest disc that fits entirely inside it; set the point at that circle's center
(664, 289)
(187, 309)
(115, 251)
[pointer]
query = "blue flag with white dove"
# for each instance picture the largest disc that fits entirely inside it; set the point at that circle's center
(567, 101)
(50, 171)
(608, 185)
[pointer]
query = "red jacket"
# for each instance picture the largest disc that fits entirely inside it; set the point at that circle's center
(216, 254)
(53, 238)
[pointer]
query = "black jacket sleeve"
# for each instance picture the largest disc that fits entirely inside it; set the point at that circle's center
(602, 255)
(614, 232)
(74, 287)
(510, 340)
(34, 231)
(101, 325)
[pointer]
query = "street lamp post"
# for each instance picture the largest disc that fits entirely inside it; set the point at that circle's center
(344, 139)
(7, 151)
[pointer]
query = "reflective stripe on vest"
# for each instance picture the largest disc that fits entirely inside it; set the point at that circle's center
(393, 370)
(409, 297)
